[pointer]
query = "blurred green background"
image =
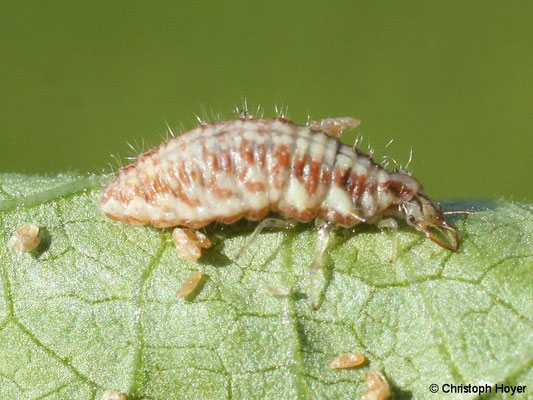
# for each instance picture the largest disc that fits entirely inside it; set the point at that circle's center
(453, 80)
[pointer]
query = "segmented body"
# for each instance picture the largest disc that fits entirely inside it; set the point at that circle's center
(248, 167)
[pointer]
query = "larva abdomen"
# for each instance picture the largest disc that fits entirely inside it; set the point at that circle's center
(246, 168)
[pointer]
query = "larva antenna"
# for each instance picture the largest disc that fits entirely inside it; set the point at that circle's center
(309, 119)
(459, 212)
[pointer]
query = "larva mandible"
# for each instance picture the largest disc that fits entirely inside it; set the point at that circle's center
(248, 167)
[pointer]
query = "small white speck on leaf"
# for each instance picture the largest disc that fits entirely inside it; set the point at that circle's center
(25, 239)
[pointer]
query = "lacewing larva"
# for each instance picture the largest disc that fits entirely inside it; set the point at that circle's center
(248, 167)
(25, 239)
(348, 360)
(378, 387)
(111, 394)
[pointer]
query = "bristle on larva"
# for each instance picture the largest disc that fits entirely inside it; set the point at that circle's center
(248, 167)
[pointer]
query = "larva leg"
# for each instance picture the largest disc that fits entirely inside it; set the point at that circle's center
(266, 223)
(323, 236)
(334, 126)
(391, 223)
(190, 243)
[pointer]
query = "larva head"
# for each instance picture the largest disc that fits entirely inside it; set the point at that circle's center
(424, 214)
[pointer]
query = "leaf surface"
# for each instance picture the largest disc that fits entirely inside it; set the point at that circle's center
(95, 307)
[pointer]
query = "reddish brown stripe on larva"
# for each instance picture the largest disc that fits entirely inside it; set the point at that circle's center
(248, 167)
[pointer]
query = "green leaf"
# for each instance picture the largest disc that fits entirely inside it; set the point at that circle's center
(95, 306)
